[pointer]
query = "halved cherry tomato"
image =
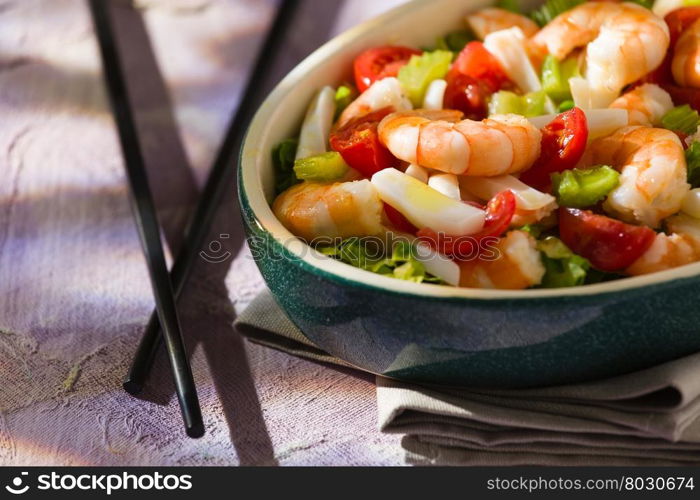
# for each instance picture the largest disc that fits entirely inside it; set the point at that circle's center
(682, 136)
(468, 95)
(474, 76)
(610, 245)
(358, 143)
(398, 220)
(683, 95)
(660, 76)
(563, 144)
(678, 21)
(499, 214)
(477, 62)
(380, 62)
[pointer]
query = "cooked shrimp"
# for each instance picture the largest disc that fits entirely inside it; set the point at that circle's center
(501, 144)
(344, 209)
(685, 64)
(653, 172)
(624, 41)
(485, 21)
(645, 104)
(516, 266)
(382, 94)
(680, 247)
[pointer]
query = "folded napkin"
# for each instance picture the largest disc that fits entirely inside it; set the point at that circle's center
(651, 417)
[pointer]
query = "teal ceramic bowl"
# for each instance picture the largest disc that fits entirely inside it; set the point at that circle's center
(436, 334)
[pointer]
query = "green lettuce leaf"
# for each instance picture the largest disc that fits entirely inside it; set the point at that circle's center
(551, 9)
(563, 267)
(454, 41)
(596, 276)
(364, 253)
(510, 5)
(533, 229)
(344, 95)
(692, 158)
(283, 162)
(644, 3)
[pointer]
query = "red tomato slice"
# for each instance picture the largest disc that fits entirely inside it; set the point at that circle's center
(610, 245)
(478, 63)
(499, 214)
(380, 62)
(358, 143)
(563, 144)
(398, 220)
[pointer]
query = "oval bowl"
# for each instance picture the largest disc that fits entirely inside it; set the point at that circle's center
(438, 334)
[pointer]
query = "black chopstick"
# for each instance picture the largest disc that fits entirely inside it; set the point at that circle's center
(146, 220)
(219, 181)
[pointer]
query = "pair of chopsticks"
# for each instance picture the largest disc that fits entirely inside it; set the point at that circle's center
(165, 316)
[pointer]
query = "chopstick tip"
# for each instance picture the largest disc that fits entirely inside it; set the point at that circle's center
(132, 387)
(196, 431)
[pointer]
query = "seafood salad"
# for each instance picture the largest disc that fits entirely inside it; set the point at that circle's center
(543, 149)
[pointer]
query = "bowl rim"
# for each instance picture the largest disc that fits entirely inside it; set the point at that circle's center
(252, 197)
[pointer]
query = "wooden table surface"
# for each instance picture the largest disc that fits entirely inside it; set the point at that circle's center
(74, 293)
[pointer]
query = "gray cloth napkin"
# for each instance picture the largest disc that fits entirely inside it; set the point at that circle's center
(651, 417)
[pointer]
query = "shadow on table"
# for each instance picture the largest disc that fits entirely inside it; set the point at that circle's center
(206, 314)
(171, 181)
(207, 321)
